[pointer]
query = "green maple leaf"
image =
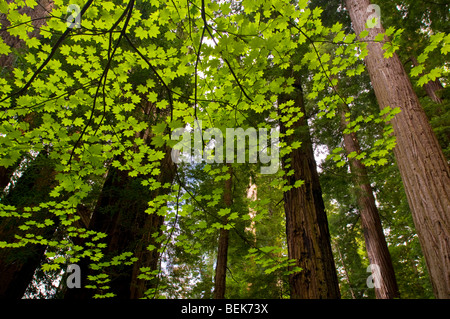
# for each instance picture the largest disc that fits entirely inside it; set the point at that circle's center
(159, 128)
(48, 267)
(78, 121)
(4, 48)
(364, 34)
(141, 33)
(339, 37)
(170, 35)
(379, 37)
(108, 5)
(336, 27)
(153, 31)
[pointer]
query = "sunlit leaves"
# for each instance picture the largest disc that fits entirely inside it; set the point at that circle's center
(271, 259)
(4, 48)
(437, 40)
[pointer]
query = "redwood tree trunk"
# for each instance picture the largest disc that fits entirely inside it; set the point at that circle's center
(120, 213)
(432, 86)
(222, 252)
(376, 245)
(308, 237)
(423, 167)
(221, 266)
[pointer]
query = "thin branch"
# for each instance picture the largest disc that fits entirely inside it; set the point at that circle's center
(49, 57)
(196, 73)
(320, 62)
(206, 26)
(22, 23)
(129, 10)
(232, 277)
(208, 213)
(169, 91)
(168, 239)
(83, 86)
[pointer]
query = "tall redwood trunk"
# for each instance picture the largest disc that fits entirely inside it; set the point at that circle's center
(425, 171)
(120, 213)
(376, 245)
(222, 252)
(308, 237)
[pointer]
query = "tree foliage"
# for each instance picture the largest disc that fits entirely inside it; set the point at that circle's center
(107, 95)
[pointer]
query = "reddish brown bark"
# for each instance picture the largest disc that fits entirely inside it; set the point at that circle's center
(222, 252)
(376, 245)
(308, 237)
(431, 87)
(120, 213)
(422, 164)
(38, 16)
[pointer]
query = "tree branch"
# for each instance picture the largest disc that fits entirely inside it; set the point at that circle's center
(49, 57)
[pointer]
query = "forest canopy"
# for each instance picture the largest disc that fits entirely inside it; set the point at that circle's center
(224, 149)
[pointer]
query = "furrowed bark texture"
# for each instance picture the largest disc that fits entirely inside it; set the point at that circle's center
(308, 236)
(37, 15)
(422, 165)
(222, 252)
(376, 245)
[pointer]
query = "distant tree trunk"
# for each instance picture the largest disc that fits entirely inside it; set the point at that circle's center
(252, 194)
(376, 245)
(17, 265)
(347, 277)
(422, 164)
(7, 61)
(222, 253)
(308, 237)
(432, 86)
(221, 265)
